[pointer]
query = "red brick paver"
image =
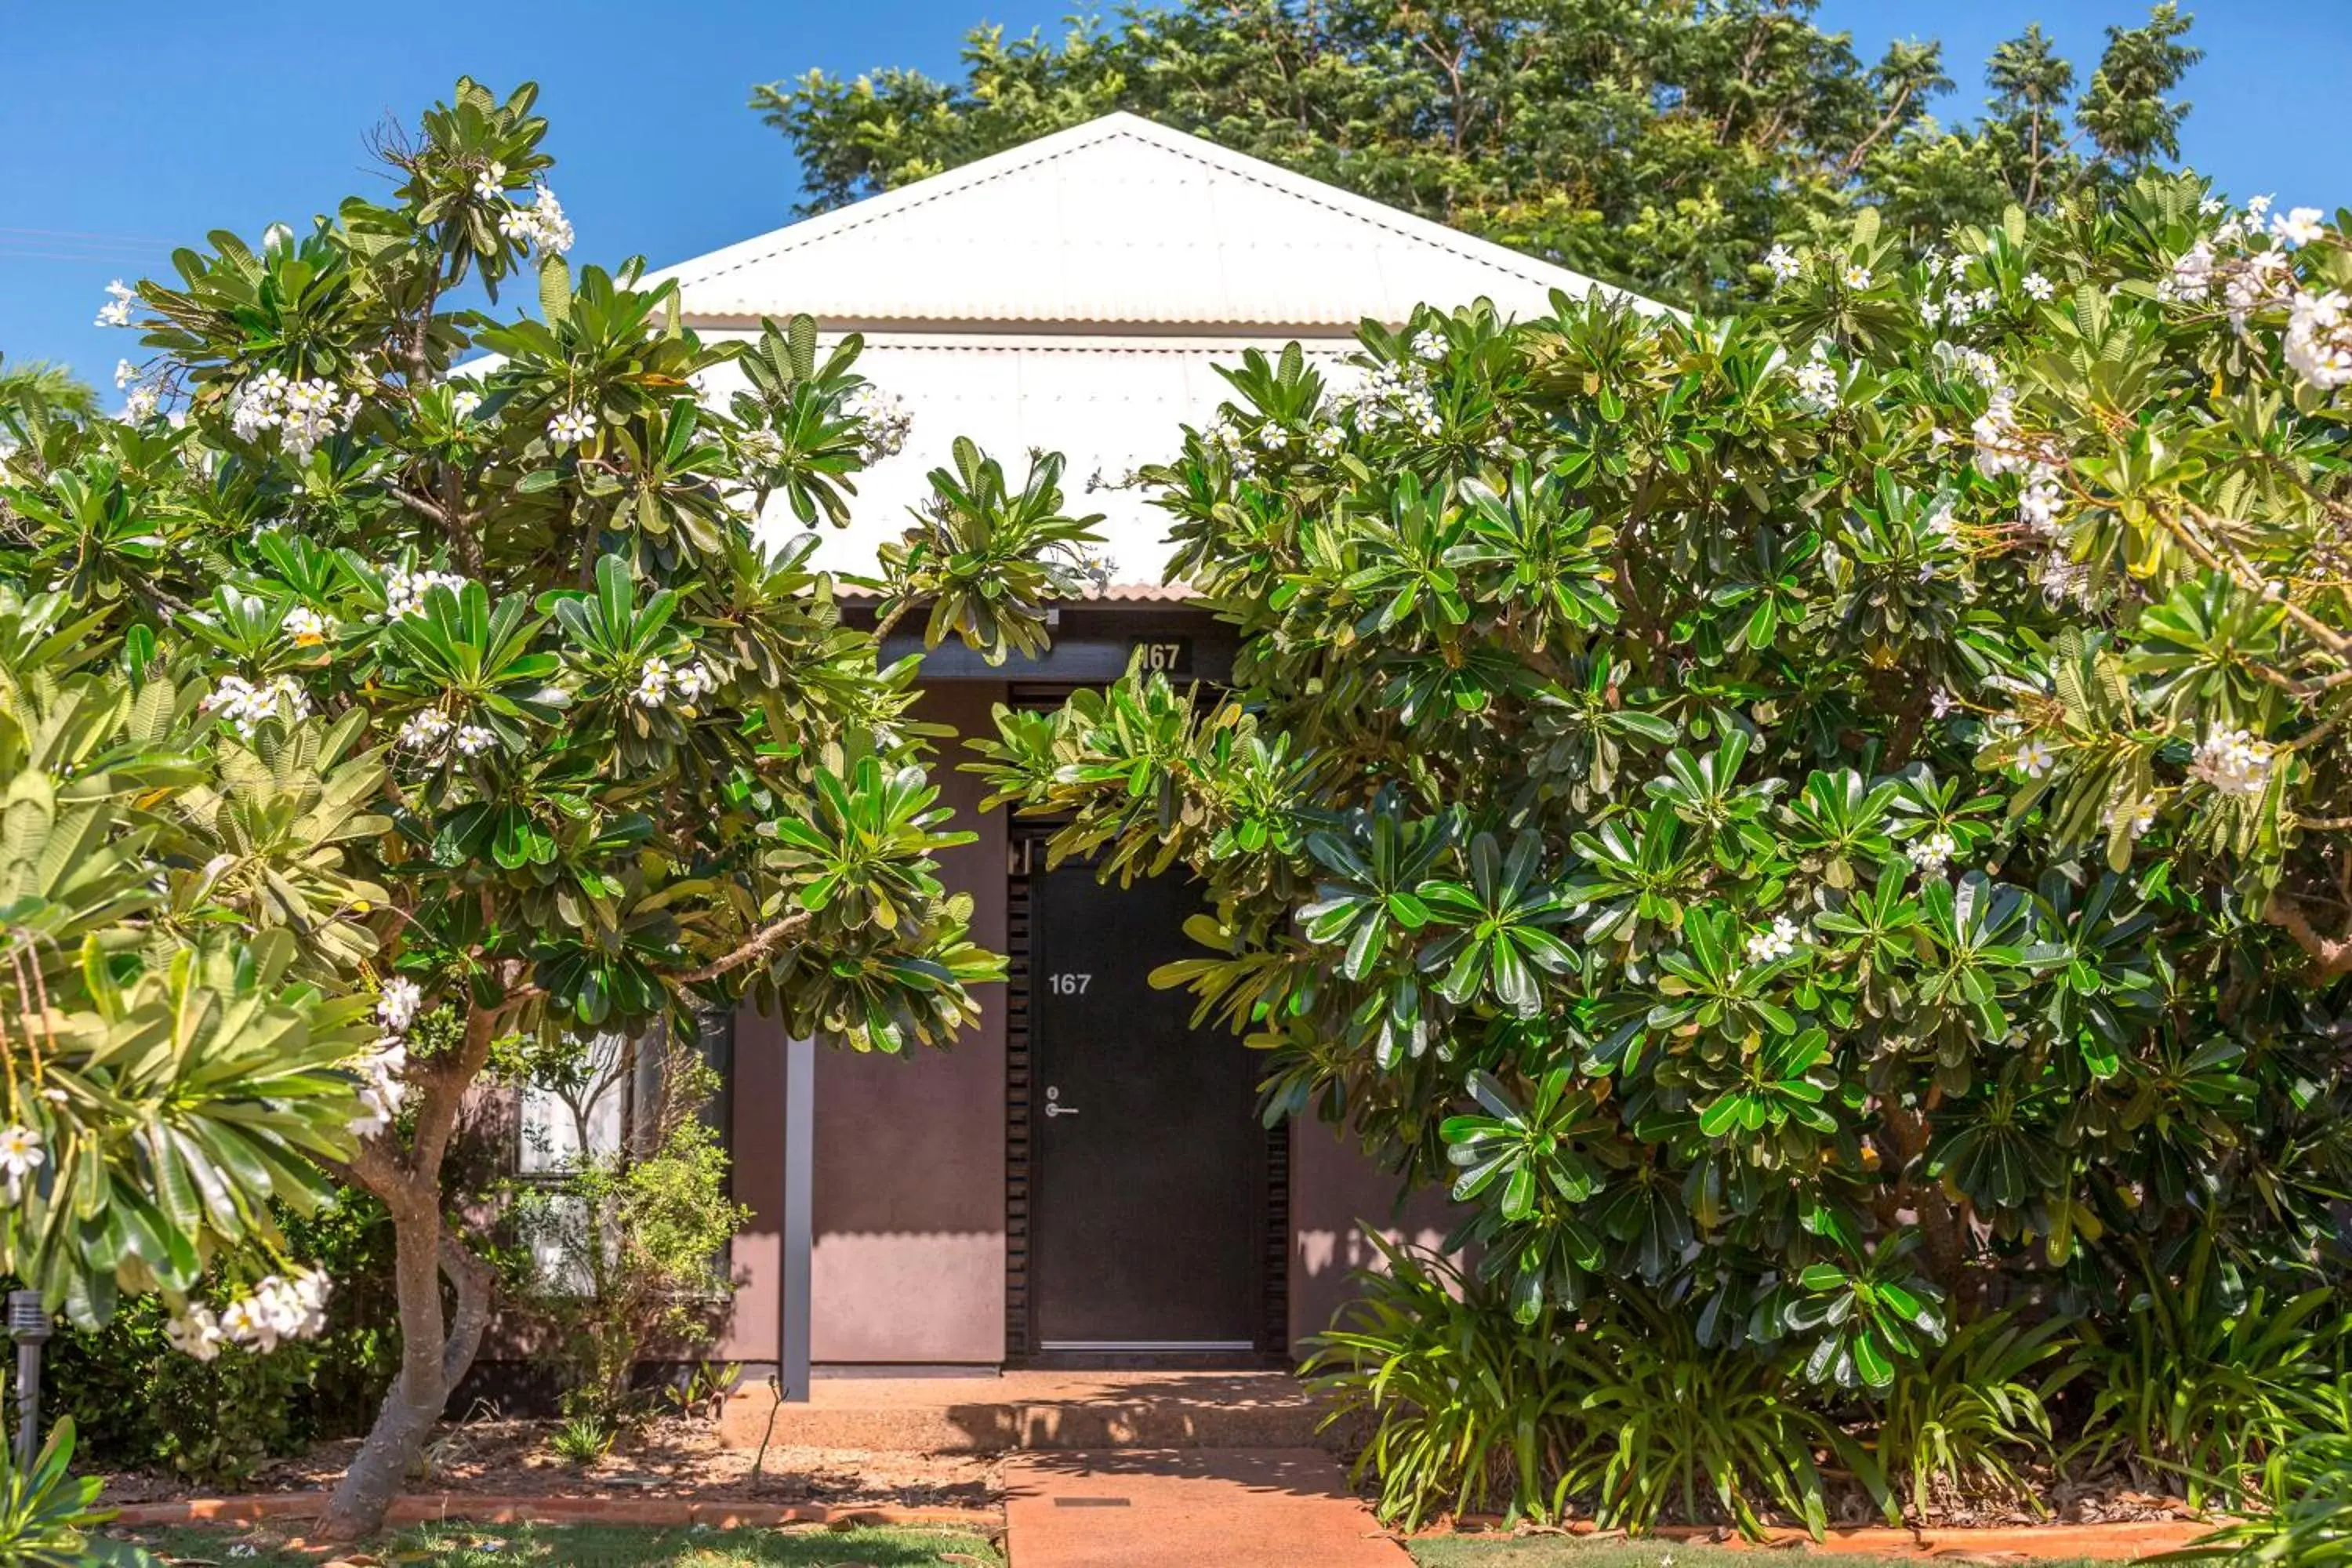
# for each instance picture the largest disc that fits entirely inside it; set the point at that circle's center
(1195, 1508)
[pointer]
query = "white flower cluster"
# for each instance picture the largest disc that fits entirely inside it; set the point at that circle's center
(2062, 580)
(277, 1309)
(116, 311)
(2192, 277)
(2004, 448)
(21, 1154)
(245, 705)
(1402, 392)
(659, 683)
(1817, 383)
(139, 404)
(1930, 855)
(1777, 941)
(1856, 276)
(2039, 288)
(1979, 366)
(542, 224)
(304, 412)
(2233, 763)
(1326, 441)
(885, 418)
(425, 730)
(571, 428)
(396, 1004)
(465, 401)
(403, 590)
(1429, 343)
(381, 1089)
(1961, 303)
(2319, 339)
(1784, 264)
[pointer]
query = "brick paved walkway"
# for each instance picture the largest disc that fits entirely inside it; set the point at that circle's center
(1197, 1508)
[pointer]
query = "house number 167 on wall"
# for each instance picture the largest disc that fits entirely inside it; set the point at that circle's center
(1067, 983)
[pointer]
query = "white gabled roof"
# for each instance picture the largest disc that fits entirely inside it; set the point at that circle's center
(1118, 222)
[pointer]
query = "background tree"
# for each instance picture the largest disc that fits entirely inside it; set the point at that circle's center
(1821, 825)
(594, 745)
(1661, 147)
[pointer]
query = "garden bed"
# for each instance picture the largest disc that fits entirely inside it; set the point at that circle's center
(670, 1458)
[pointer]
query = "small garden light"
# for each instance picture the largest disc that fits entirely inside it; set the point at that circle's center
(28, 1325)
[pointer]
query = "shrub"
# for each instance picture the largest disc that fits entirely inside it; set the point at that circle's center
(623, 1253)
(1971, 1412)
(2205, 1376)
(1458, 1393)
(138, 1402)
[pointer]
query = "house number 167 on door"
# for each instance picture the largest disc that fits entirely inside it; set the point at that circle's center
(1067, 983)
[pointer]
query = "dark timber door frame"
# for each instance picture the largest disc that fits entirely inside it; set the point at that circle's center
(1024, 1103)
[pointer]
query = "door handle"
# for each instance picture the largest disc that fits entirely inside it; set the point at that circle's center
(1054, 1107)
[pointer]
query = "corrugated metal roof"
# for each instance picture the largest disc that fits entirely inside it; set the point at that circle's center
(1118, 221)
(1110, 405)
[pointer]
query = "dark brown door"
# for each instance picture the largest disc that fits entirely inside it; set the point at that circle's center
(1147, 1185)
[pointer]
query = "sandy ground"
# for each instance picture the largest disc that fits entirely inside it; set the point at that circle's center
(673, 1456)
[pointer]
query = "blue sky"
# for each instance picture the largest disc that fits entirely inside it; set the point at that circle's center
(127, 128)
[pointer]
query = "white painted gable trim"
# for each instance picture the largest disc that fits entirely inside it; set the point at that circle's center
(1060, 144)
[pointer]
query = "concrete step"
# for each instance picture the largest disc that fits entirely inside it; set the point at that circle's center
(1033, 1411)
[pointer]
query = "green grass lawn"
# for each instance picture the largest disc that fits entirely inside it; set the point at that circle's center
(590, 1546)
(1575, 1551)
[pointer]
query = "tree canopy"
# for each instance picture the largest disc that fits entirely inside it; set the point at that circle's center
(1817, 823)
(1662, 147)
(404, 690)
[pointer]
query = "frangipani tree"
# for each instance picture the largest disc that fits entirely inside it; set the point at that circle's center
(1802, 819)
(619, 756)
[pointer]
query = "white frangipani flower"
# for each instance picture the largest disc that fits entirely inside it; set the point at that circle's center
(2299, 228)
(404, 591)
(2136, 818)
(1783, 262)
(1856, 276)
(2035, 759)
(1817, 384)
(194, 1331)
(1429, 343)
(2037, 287)
(396, 1004)
(692, 682)
(465, 401)
(473, 740)
(1328, 440)
(116, 311)
(1777, 941)
(571, 428)
(422, 730)
(381, 1087)
(2233, 763)
(245, 705)
(491, 184)
(21, 1154)
(2319, 339)
(1930, 855)
(653, 683)
(885, 418)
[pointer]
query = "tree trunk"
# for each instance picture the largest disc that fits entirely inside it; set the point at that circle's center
(434, 1359)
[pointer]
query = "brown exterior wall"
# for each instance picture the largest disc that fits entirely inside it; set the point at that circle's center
(1335, 1192)
(909, 1196)
(908, 1264)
